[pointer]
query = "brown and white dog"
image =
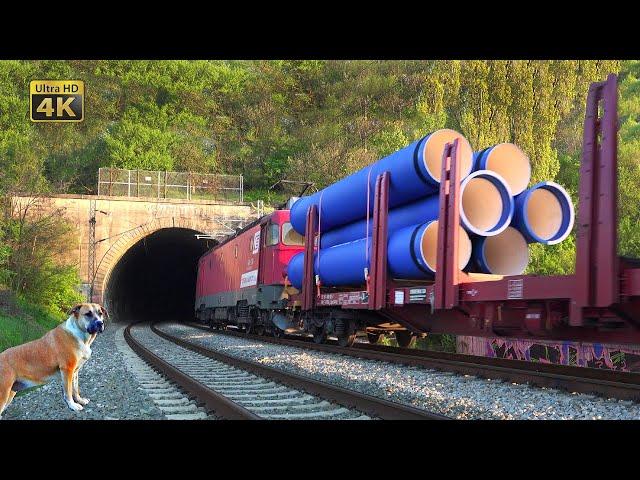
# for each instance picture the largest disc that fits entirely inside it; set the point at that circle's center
(64, 349)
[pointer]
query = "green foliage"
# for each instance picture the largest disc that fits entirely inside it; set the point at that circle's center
(134, 143)
(552, 259)
(629, 160)
(269, 197)
(390, 140)
(21, 321)
(305, 120)
(442, 342)
(32, 244)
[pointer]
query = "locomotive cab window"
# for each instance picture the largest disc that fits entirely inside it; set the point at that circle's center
(290, 236)
(273, 234)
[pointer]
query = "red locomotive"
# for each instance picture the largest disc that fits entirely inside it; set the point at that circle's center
(243, 280)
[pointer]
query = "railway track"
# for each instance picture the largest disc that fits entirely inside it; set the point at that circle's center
(240, 389)
(600, 382)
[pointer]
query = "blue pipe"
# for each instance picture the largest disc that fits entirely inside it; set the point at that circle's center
(346, 200)
(405, 258)
(425, 210)
(523, 223)
(344, 264)
(295, 270)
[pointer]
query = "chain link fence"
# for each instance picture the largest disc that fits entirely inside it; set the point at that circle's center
(120, 182)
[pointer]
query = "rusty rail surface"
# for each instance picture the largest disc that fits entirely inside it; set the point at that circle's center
(604, 383)
(368, 404)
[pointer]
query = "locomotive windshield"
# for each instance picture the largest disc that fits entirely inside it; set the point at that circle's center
(290, 236)
(273, 235)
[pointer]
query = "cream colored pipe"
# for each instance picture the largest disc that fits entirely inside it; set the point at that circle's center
(429, 246)
(544, 213)
(508, 161)
(504, 254)
(487, 203)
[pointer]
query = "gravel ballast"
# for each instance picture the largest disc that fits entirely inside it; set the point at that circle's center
(104, 379)
(261, 396)
(457, 396)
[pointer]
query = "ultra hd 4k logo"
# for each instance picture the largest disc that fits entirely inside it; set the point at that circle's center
(57, 100)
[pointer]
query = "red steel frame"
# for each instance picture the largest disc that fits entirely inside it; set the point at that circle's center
(377, 282)
(308, 280)
(597, 264)
(601, 302)
(447, 272)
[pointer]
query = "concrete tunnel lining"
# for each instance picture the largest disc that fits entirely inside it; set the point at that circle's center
(155, 278)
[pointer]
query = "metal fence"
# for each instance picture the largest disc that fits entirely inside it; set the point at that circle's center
(161, 184)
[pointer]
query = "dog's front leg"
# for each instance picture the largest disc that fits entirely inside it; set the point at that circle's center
(76, 390)
(6, 394)
(67, 384)
(11, 395)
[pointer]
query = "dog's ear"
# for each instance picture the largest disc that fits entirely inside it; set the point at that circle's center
(75, 310)
(105, 314)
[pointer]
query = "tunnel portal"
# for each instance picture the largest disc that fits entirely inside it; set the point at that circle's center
(155, 279)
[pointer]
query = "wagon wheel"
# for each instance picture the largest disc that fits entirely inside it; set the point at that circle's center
(277, 332)
(373, 337)
(405, 338)
(347, 337)
(319, 335)
(258, 329)
(347, 340)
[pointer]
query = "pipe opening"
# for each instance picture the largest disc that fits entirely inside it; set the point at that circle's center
(487, 206)
(512, 164)
(544, 213)
(506, 253)
(434, 148)
(429, 246)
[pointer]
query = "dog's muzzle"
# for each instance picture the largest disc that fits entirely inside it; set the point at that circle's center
(96, 326)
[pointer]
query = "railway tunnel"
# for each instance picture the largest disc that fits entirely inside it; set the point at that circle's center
(155, 279)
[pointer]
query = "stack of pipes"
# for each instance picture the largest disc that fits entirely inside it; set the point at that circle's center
(499, 215)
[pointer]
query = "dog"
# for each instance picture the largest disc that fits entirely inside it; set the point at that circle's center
(64, 349)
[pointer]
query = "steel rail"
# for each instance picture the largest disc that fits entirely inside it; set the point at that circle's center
(212, 400)
(601, 382)
(368, 404)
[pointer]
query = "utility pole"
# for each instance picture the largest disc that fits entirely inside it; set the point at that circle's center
(91, 264)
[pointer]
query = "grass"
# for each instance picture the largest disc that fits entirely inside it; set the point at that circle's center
(269, 197)
(21, 322)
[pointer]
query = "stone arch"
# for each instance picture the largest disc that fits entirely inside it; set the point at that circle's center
(126, 241)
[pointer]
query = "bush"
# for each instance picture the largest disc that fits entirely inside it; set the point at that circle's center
(34, 242)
